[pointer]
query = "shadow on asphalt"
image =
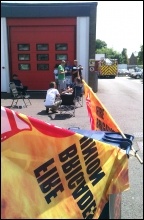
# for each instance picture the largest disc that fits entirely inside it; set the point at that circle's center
(14, 107)
(60, 116)
(43, 112)
(55, 116)
(33, 95)
(7, 106)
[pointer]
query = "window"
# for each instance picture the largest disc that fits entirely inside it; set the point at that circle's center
(23, 57)
(61, 57)
(42, 67)
(42, 57)
(61, 47)
(24, 66)
(23, 47)
(42, 47)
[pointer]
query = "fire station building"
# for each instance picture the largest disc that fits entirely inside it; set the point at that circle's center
(36, 36)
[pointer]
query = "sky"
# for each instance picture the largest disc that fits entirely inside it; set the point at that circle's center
(119, 23)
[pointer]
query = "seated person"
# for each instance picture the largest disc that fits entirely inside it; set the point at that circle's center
(72, 87)
(78, 87)
(51, 101)
(20, 88)
(77, 82)
(68, 90)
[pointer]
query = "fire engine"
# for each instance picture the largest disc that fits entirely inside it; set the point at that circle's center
(106, 68)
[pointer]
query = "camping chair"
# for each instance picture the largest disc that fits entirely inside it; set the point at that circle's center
(68, 104)
(16, 96)
(78, 93)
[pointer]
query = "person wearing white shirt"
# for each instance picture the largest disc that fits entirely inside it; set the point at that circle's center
(51, 98)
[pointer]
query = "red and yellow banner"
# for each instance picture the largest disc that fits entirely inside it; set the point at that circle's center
(100, 119)
(48, 172)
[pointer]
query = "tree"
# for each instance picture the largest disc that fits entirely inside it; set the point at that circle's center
(101, 48)
(110, 53)
(124, 56)
(133, 59)
(100, 44)
(140, 56)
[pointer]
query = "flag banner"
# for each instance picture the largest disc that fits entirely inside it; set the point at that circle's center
(100, 119)
(48, 172)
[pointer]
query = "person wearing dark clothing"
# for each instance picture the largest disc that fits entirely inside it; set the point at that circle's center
(76, 71)
(20, 88)
(68, 74)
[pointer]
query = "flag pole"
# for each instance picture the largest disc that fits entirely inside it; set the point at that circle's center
(134, 151)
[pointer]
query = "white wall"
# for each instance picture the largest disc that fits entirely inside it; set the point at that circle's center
(82, 46)
(4, 58)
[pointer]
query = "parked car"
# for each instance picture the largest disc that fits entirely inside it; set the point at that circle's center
(138, 74)
(123, 72)
(130, 72)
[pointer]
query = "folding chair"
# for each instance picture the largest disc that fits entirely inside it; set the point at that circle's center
(78, 93)
(68, 104)
(16, 96)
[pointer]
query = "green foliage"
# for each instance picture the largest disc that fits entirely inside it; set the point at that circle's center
(101, 48)
(110, 53)
(140, 56)
(100, 44)
(125, 56)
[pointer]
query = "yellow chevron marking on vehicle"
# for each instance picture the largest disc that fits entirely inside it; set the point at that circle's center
(108, 70)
